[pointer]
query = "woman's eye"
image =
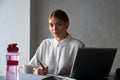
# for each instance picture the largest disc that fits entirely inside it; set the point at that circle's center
(51, 25)
(58, 24)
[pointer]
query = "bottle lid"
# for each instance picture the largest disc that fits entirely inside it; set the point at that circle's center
(12, 48)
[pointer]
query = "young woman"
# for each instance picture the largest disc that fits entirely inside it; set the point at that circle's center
(56, 54)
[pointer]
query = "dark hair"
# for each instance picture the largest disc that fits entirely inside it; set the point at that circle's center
(59, 14)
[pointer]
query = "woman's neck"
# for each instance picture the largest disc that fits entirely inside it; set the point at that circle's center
(61, 38)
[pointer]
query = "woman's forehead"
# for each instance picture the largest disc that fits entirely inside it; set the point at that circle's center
(55, 20)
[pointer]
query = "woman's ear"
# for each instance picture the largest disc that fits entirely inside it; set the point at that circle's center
(67, 24)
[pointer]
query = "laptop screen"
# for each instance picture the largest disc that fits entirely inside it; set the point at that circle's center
(93, 63)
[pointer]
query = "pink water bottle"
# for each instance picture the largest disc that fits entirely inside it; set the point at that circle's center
(12, 57)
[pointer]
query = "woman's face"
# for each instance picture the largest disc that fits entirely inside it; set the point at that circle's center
(58, 27)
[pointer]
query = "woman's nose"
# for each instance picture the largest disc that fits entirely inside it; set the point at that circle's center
(54, 27)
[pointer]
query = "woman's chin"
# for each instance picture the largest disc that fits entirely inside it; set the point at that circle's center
(56, 36)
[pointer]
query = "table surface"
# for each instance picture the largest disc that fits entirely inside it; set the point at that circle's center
(36, 77)
(40, 77)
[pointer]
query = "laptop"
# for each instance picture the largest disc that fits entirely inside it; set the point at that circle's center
(93, 63)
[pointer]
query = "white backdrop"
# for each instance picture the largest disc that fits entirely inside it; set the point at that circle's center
(14, 28)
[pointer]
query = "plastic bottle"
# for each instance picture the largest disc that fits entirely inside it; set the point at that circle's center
(12, 57)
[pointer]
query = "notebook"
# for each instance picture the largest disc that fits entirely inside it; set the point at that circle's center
(93, 63)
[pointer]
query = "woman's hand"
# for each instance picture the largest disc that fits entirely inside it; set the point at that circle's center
(40, 70)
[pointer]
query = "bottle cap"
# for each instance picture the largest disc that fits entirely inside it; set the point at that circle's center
(12, 48)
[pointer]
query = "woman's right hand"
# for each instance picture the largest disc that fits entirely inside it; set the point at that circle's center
(40, 70)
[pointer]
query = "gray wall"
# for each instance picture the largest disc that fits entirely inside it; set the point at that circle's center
(95, 22)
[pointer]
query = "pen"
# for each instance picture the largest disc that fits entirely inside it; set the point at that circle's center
(41, 64)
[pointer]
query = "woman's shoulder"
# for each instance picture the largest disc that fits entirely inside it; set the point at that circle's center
(48, 40)
(79, 42)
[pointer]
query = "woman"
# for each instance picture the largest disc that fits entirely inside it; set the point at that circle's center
(56, 54)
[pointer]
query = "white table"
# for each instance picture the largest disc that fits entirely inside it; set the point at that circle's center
(34, 77)
(40, 77)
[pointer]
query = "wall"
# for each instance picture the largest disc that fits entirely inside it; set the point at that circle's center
(14, 28)
(33, 28)
(95, 22)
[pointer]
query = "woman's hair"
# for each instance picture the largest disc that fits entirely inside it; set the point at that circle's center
(59, 14)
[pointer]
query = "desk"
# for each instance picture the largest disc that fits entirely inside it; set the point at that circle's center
(40, 77)
(34, 77)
